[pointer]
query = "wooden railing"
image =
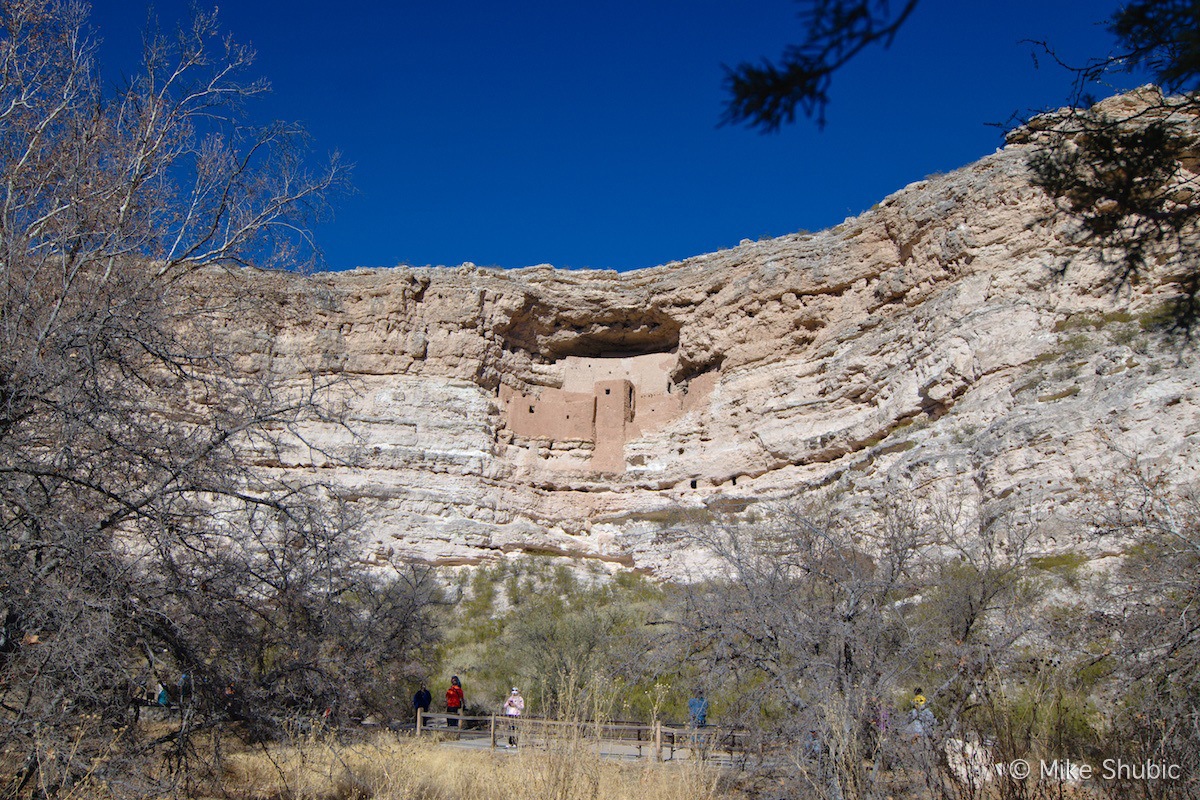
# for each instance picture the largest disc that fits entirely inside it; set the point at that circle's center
(662, 740)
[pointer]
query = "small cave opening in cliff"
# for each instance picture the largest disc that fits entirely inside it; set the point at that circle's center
(687, 370)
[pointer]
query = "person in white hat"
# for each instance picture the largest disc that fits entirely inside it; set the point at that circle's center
(513, 707)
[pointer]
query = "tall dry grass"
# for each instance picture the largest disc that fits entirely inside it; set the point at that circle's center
(387, 768)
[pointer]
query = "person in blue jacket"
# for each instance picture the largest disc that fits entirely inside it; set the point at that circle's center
(698, 710)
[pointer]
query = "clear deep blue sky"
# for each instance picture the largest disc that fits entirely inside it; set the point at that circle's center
(585, 134)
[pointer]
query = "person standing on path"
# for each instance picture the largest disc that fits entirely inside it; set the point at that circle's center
(698, 710)
(513, 707)
(421, 700)
(454, 701)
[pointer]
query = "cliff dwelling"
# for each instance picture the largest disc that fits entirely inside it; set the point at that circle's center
(605, 402)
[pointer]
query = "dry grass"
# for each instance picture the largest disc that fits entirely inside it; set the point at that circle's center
(385, 768)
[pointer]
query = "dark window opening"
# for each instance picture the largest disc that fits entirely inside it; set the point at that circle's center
(693, 483)
(531, 409)
(608, 391)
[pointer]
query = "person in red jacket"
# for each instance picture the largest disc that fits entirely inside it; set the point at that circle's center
(454, 701)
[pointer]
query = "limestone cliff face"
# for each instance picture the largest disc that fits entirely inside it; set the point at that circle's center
(951, 340)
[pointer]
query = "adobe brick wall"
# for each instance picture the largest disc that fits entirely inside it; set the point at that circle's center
(605, 401)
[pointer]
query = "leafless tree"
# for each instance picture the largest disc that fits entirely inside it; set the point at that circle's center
(804, 624)
(138, 544)
(1148, 617)
(823, 626)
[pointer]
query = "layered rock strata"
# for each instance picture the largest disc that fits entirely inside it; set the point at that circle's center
(952, 341)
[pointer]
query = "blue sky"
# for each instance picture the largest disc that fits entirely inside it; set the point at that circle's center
(585, 135)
